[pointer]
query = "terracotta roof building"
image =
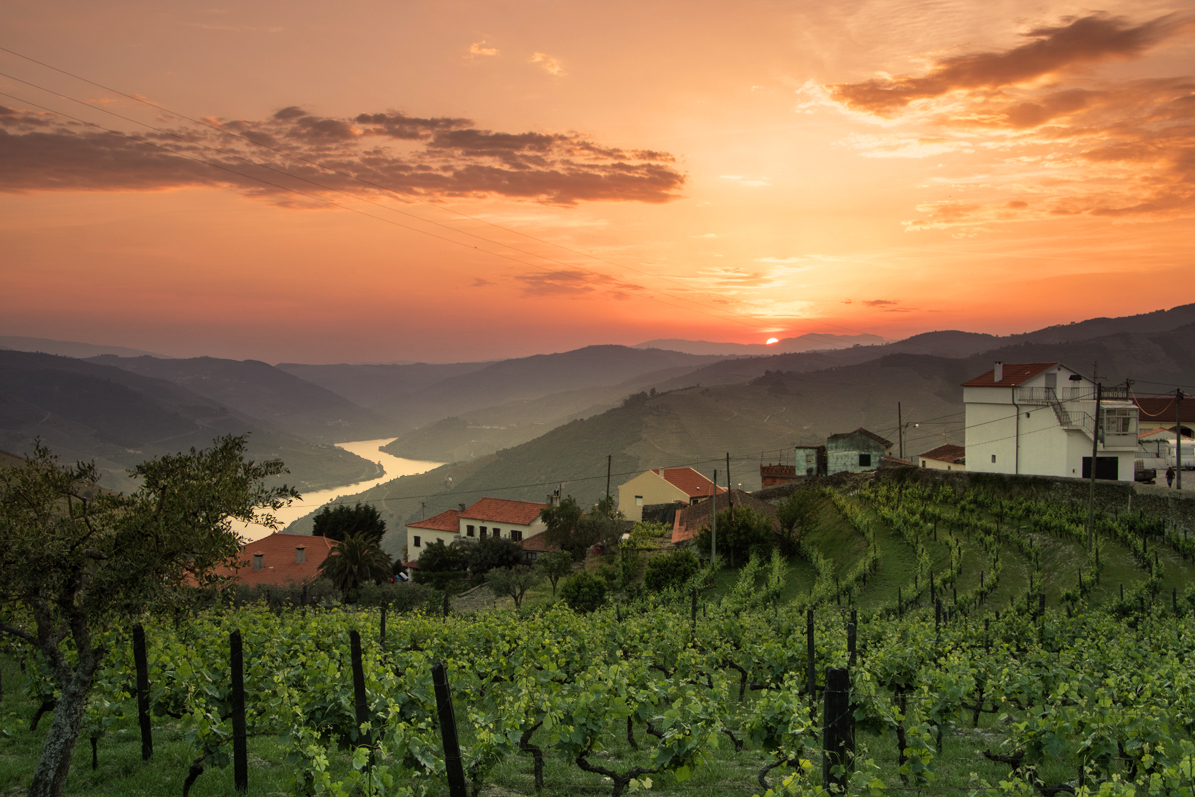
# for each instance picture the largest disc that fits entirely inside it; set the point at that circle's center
(693, 518)
(663, 486)
(1009, 374)
(536, 545)
(280, 558)
(1039, 419)
(944, 457)
(420, 533)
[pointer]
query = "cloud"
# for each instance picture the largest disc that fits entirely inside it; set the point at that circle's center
(881, 302)
(1052, 49)
(313, 154)
(479, 48)
(780, 260)
(550, 64)
(574, 283)
(1045, 121)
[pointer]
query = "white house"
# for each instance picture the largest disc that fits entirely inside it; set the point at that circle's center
(945, 457)
(444, 527)
(499, 517)
(663, 486)
(1039, 418)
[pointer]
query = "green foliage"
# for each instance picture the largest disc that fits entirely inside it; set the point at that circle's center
(342, 520)
(576, 531)
(645, 535)
(74, 559)
(561, 521)
(355, 561)
(440, 558)
(491, 553)
(513, 581)
(400, 597)
(584, 592)
(554, 565)
(797, 514)
(741, 532)
(670, 570)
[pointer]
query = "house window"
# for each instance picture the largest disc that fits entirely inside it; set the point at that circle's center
(638, 500)
(259, 561)
(483, 531)
(865, 460)
(1119, 421)
(516, 535)
(416, 542)
(497, 533)
(993, 457)
(924, 463)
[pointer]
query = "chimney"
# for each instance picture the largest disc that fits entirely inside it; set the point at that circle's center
(998, 373)
(462, 507)
(300, 555)
(259, 561)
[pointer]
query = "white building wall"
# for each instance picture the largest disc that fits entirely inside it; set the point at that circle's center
(991, 433)
(426, 537)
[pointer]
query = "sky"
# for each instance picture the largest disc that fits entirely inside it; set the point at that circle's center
(447, 181)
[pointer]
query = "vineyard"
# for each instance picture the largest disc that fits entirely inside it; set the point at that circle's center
(989, 646)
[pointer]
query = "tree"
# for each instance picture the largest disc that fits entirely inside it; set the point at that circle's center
(584, 592)
(493, 552)
(797, 515)
(555, 565)
(739, 533)
(75, 559)
(340, 521)
(513, 581)
(440, 558)
(573, 530)
(670, 570)
(561, 521)
(354, 561)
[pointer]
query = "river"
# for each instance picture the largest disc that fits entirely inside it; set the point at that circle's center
(369, 449)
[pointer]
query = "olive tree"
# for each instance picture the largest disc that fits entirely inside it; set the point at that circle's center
(75, 559)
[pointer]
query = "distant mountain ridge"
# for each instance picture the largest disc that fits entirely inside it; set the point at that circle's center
(265, 393)
(69, 348)
(810, 341)
(83, 411)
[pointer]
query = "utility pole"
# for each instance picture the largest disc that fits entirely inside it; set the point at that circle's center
(900, 430)
(1095, 447)
(714, 521)
(1178, 438)
(609, 459)
(729, 497)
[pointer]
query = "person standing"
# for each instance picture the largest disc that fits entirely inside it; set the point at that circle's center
(1170, 476)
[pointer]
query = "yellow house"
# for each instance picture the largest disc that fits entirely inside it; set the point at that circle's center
(663, 486)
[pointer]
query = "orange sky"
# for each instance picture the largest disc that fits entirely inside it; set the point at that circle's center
(470, 180)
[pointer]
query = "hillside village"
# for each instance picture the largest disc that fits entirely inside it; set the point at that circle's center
(1022, 420)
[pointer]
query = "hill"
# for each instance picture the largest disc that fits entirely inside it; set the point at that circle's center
(67, 348)
(369, 385)
(758, 421)
(84, 411)
(530, 378)
(280, 399)
(810, 341)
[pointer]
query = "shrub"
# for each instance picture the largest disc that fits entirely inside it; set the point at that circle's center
(492, 553)
(583, 592)
(401, 597)
(670, 570)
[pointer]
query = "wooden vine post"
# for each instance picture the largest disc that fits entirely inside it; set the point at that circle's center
(240, 750)
(142, 665)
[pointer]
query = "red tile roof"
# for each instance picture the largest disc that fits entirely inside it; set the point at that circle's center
(539, 543)
(1014, 374)
(500, 510)
(1161, 409)
(688, 481)
(691, 519)
(445, 521)
(947, 453)
(889, 461)
(278, 559)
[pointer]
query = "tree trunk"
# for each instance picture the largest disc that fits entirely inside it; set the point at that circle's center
(49, 778)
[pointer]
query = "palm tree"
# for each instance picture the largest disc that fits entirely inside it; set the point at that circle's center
(354, 561)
